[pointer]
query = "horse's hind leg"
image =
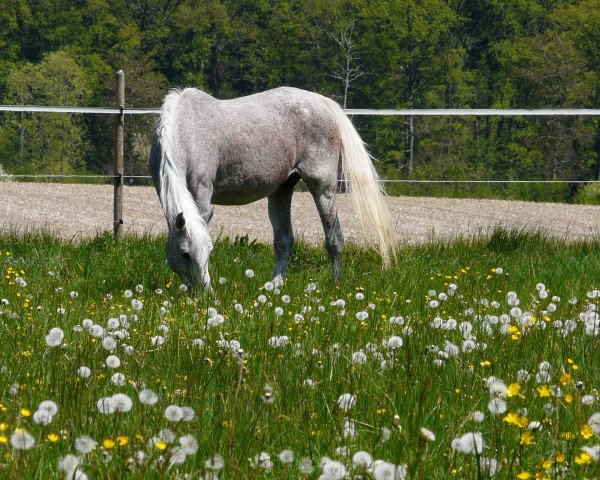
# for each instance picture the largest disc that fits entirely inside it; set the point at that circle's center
(280, 203)
(334, 240)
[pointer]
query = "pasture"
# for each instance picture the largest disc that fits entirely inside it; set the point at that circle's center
(467, 359)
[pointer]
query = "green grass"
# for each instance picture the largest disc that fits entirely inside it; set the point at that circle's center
(255, 398)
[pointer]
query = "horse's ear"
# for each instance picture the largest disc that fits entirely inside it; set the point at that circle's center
(180, 222)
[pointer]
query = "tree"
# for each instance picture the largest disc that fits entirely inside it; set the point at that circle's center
(47, 143)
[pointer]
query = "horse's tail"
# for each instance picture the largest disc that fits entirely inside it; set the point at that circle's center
(364, 187)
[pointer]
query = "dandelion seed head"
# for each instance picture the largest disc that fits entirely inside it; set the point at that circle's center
(137, 305)
(68, 464)
(286, 456)
(215, 463)
(305, 466)
(85, 444)
(346, 401)
(362, 459)
(148, 397)
(334, 470)
(173, 413)
(55, 337)
(122, 401)
(112, 361)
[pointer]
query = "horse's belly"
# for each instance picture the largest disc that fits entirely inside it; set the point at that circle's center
(236, 196)
(241, 190)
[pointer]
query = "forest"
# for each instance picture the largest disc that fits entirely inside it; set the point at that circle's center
(363, 53)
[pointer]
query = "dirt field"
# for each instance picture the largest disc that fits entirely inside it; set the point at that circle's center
(77, 211)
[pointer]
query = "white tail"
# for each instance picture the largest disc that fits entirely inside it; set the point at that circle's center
(365, 189)
(175, 198)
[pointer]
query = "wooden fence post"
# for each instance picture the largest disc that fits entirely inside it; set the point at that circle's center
(119, 158)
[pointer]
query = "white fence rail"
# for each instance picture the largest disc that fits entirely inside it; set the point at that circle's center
(417, 112)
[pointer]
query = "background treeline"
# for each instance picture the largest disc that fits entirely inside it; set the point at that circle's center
(363, 53)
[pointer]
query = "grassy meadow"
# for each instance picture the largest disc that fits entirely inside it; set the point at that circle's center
(468, 359)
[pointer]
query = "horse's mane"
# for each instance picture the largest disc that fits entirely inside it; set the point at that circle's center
(175, 197)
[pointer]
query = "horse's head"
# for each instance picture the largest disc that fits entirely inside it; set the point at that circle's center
(188, 251)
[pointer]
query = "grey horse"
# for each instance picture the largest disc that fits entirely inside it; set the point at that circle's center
(232, 152)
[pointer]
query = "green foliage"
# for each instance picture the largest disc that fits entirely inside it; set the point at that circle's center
(405, 53)
(589, 194)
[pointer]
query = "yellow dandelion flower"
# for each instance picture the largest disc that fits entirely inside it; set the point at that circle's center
(25, 412)
(3, 439)
(108, 443)
(583, 459)
(485, 363)
(526, 438)
(560, 457)
(568, 398)
(522, 421)
(541, 476)
(3, 427)
(547, 465)
(586, 432)
(53, 437)
(122, 440)
(544, 391)
(513, 389)
(160, 444)
(565, 379)
(524, 476)
(511, 418)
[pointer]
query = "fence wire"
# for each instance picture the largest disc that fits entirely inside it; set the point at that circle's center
(351, 111)
(413, 112)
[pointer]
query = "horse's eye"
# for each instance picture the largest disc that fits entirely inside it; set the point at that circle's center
(186, 255)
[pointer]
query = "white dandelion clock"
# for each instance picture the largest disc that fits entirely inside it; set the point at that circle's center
(188, 414)
(427, 435)
(346, 401)
(21, 439)
(359, 358)
(109, 343)
(263, 460)
(497, 406)
(148, 397)
(470, 443)
(85, 444)
(388, 471)
(123, 402)
(173, 413)
(42, 417)
(333, 470)
(112, 361)
(249, 273)
(118, 379)
(69, 464)
(55, 337)
(362, 459)
(137, 305)
(106, 405)
(286, 456)
(189, 444)
(305, 466)
(215, 463)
